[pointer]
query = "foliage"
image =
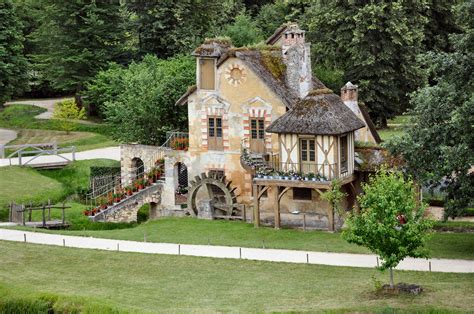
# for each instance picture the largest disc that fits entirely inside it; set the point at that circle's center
(375, 43)
(145, 110)
(271, 16)
(66, 112)
(75, 39)
(13, 65)
(391, 222)
(335, 196)
(104, 87)
(173, 27)
(438, 144)
(244, 31)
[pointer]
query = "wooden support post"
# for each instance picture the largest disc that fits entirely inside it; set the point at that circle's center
(30, 212)
(74, 153)
(44, 216)
(276, 199)
(304, 221)
(49, 210)
(330, 218)
(256, 209)
(2, 151)
(23, 214)
(63, 216)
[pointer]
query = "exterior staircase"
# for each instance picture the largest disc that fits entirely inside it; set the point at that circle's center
(126, 210)
(253, 162)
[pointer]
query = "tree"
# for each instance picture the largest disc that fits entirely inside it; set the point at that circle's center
(66, 112)
(335, 196)
(13, 65)
(375, 43)
(77, 39)
(391, 223)
(105, 87)
(144, 109)
(168, 27)
(244, 31)
(439, 143)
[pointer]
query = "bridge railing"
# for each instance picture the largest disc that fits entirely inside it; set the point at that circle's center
(35, 151)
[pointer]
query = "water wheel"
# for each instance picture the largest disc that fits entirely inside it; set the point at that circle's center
(220, 192)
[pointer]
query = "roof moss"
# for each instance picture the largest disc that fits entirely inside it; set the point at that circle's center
(274, 64)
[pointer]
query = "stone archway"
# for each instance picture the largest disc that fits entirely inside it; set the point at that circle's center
(138, 168)
(180, 174)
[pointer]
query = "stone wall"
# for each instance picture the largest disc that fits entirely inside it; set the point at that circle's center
(126, 211)
(148, 154)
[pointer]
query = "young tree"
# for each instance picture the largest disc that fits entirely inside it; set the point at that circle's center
(375, 43)
(439, 143)
(67, 113)
(391, 222)
(13, 65)
(78, 38)
(144, 109)
(243, 31)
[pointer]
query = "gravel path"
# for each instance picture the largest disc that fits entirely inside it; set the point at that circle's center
(7, 136)
(106, 153)
(47, 104)
(288, 256)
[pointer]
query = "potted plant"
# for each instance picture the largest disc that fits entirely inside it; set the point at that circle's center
(128, 190)
(103, 202)
(110, 198)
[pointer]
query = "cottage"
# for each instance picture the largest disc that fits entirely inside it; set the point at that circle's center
(266, 137)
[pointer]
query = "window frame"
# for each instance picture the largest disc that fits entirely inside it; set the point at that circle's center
(215, 142)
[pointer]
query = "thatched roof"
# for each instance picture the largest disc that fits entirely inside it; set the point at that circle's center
(276, 35)
(320, 113)
(269, 66)
(213, 47)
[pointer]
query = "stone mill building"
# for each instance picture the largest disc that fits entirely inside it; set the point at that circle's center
(266, 138)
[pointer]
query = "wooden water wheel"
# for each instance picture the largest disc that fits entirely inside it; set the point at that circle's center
(220, 192)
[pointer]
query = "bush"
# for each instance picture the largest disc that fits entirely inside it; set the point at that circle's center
(66, 112)
(143, 213)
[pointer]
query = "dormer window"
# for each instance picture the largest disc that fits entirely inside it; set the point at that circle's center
(207, 75)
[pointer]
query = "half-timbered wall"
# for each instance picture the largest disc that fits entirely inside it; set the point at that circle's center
(350, 155)
(325, 154)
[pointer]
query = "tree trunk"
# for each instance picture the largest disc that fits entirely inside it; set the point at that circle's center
(78, 100)
(391, 278)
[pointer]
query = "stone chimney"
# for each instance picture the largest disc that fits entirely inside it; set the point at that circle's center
(349, 95)
(296, 55)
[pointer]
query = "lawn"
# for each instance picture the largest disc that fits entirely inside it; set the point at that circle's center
(23, 117)
(23, 185)
(82, 140)
(160, 283)
(230, 233)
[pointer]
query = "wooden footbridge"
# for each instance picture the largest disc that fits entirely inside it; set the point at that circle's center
(18, 214)
(41, 155)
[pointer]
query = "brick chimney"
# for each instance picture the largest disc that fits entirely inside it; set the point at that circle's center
(296, 55)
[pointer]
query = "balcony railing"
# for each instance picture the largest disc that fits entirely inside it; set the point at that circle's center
(301, 171)
(176, 141)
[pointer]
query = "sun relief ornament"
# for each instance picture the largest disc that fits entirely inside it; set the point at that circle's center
(235, 74)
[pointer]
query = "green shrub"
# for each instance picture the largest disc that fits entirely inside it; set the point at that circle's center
(143, 213)
(24, 305)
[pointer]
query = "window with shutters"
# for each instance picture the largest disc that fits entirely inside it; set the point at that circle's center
(207, 74)
(214, 133)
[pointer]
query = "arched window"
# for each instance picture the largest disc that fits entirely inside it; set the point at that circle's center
(138, 168)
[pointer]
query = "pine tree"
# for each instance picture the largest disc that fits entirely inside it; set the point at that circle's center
(13, 65)
(77, 39)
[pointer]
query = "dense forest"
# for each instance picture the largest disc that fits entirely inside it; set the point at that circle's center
(129, 61)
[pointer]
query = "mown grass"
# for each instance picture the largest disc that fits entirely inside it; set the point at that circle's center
(24, 185)
(160, 283)
(81, 140)
(75, 176)
(231, 233)
(23, 117)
